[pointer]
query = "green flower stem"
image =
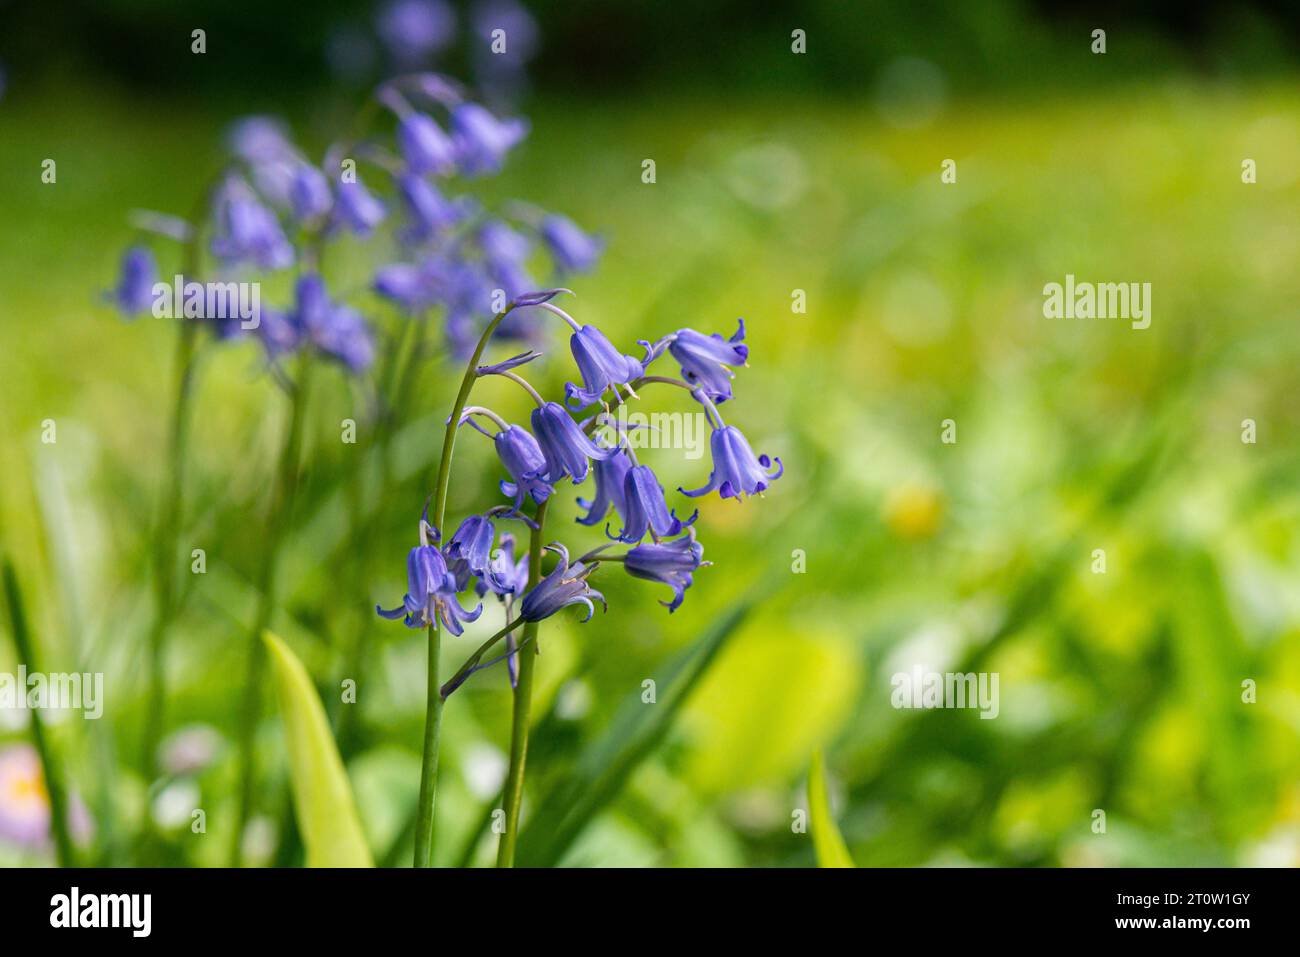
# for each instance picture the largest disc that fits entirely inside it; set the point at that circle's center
(433, 708)
(429, 764)
(453, 423)
(167, 532)
(170, 511)
(50, 770)
(278, 521)
(472, 661)
(514, 787)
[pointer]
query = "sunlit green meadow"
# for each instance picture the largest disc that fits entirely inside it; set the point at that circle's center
(881, 547)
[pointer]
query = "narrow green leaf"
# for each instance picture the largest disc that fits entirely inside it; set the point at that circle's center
(634, 734)
(49, 767)
(828, 844)
(322, 796)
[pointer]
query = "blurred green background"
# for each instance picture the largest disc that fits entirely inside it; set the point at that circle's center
(775, 172)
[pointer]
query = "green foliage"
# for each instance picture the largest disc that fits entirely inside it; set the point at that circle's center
(637, 728)
(1121, 691)
(828, 845)
(322, 796)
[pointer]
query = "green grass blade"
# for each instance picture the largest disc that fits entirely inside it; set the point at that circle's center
(634, 734)
(828, 843)
(322, 795)
(49, 767)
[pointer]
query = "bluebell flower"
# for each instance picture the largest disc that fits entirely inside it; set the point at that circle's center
(505, 252)
(523, 459)
(481, 140)
(248, 232)
(565, 585)
(413, 30)
(464, 290)
(610, 473)
(435, 86)
(571, 248)
(279, 332)
(356, 208)
(274, 181)
(645, 509)
(425, 147)
(429, 210)
(405, 284)
(259, 139)
(445, 279)
(600, 365)
(430, 594)
(566, 448)
(161, 224)
(509, 577)
(309, 193)
(334, 328)
(736, 472)
(516, 21)
(134, 291)
(472, 544)
(672, 563)
(503, 74)
(704, 359)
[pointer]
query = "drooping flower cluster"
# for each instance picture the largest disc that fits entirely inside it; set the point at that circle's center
(560, 449)
(432, 586)
(274, 209)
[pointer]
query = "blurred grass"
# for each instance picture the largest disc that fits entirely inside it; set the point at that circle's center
(1119, 691)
